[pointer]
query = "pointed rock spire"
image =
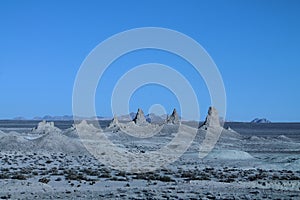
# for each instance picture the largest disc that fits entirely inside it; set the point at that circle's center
(140, 118)
(173, 118)
(114, 122)
(212, 119)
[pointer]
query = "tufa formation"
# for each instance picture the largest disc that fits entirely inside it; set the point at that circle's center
(173, 118)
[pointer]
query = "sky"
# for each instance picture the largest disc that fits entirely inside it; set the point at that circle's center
(255, 45)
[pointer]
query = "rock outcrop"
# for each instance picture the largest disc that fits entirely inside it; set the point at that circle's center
(140, 118)
(44, 127)
(114, 124)
(173, 118)
(212, 120)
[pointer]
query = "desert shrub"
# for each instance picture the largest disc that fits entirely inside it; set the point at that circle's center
(121, 173)
(252, 178)
(19, 177)
(141, 176)
(166, 179)
(275, 177)
(73, 175)
(117, 179)
(189, 175)
(35, 173)
(294, 177)
(4, 176)
(44, 180)
(5, 169)
(90, 172)
(227, 180)
(105, 175)
(6, 196)
(58, 179)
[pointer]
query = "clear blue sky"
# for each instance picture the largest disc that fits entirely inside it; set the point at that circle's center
(255, 44)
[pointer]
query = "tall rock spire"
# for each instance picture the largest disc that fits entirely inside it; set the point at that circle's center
(212, 119)
(173, 118)
(114, 122)
(140, 118)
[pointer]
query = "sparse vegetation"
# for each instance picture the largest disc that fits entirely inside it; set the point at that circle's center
(44, 180)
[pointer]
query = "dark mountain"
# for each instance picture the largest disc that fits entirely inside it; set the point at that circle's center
(260, 121)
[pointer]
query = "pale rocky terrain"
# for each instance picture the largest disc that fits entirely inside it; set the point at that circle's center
(48, 162)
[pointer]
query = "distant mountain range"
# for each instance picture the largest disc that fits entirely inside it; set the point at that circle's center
(55, 118)
(149, 117)
(49, 117)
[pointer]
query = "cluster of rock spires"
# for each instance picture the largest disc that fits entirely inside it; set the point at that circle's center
(44, 127)
(211, 121)
(140, 119)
